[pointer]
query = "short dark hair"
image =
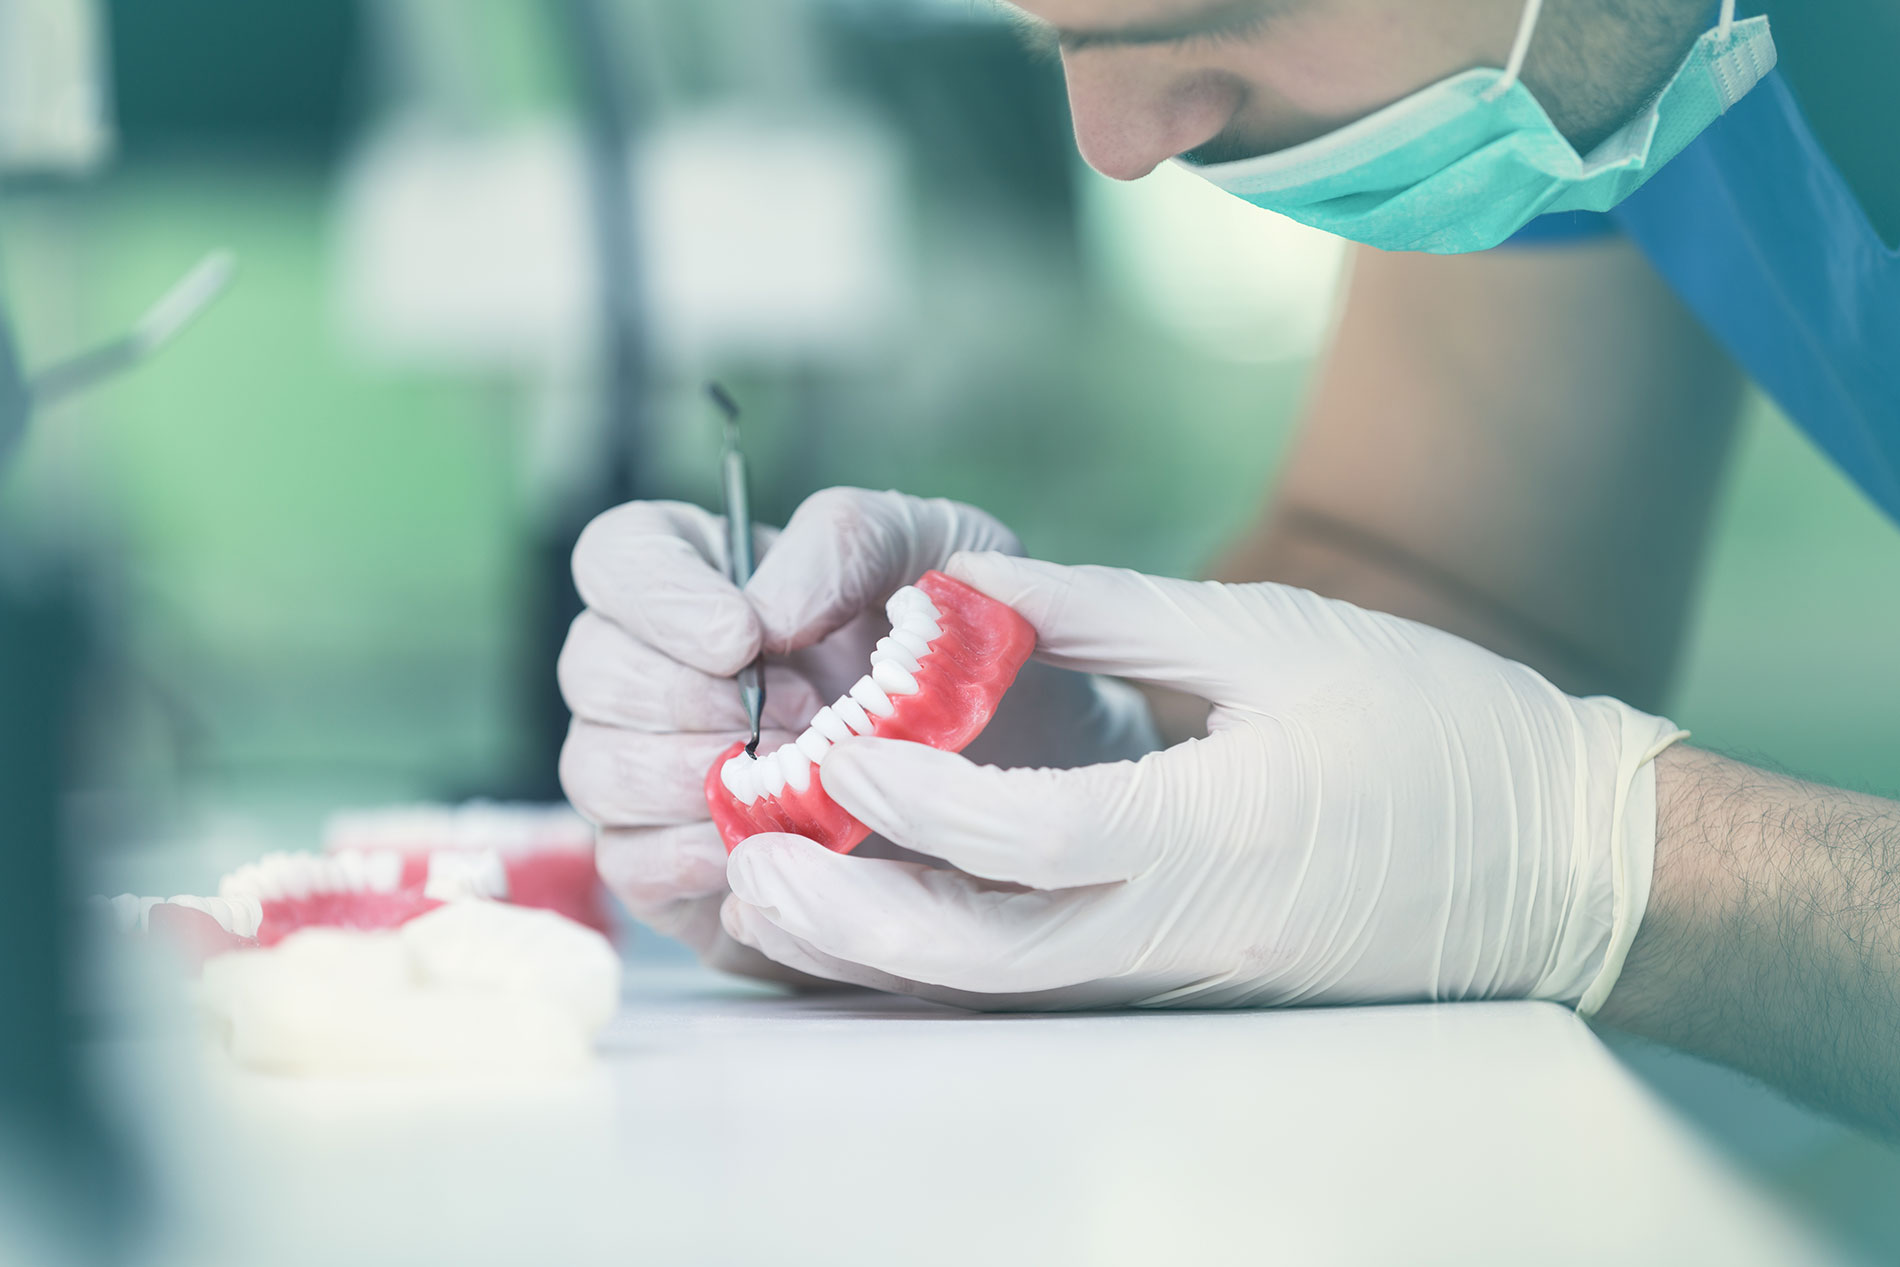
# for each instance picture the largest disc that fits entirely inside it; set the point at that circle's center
(1594, 64)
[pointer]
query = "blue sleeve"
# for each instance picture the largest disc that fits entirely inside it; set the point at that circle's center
(1563, 228)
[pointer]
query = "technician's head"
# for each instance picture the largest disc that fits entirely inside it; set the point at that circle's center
(1228, 79)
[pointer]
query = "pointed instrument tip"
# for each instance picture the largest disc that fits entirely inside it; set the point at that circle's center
(752, 749)
(723, 398)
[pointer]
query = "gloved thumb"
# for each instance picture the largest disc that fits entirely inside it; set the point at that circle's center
(845, 551)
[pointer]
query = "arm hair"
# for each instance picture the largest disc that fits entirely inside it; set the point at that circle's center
(1772, 942)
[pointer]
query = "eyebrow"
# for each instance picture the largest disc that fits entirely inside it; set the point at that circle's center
(1215, 19)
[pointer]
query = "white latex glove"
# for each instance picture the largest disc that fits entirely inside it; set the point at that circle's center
(1381, 811)
(647, 672)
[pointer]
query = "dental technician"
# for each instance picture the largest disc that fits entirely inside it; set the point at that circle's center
(1432, 769)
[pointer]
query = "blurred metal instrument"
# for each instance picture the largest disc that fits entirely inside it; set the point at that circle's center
(739, 550)
(16, 402)
(22, 395)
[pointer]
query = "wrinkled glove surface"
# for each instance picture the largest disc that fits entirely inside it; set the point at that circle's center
(647, 672)
(1381, 811)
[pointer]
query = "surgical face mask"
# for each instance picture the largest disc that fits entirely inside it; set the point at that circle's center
(1466, 163)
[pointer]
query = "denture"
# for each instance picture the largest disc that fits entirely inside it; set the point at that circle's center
(396, 960)
(263, 902)
(545, 855)
(936, 679)
(379, 870)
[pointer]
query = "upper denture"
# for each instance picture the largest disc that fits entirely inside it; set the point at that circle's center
(894, 663)
(936, 678)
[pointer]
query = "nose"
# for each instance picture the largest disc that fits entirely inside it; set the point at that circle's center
(1130, 118)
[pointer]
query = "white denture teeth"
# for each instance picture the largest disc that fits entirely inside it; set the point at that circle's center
(384, 871)
(277, 876)
(893, 678)
(827, 723)
(868, 693)
(906, 602)
(246, 914)
(290, 877)
(895, 663)
(890, 651)
(459, 876)
(852, 714)
(740, 775)
(352, 868)
(381, 870)
(796, 767)
(131, 913)
(814, 746)
(238, 905)
(243, 881)
(200, 904)
(771, 774)
(911, 611)
(918, 647)
(239, 918)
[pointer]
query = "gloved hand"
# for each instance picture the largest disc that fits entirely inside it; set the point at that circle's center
(647, 672)
(1381, 811)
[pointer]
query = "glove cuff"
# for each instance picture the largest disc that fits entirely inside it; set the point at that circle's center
(1632, 844)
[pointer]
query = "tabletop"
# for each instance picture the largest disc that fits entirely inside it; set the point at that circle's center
(724, 1124)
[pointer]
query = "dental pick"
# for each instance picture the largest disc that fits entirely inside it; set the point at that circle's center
(739, 550)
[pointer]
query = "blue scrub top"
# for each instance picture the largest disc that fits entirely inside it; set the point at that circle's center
(1758, 232)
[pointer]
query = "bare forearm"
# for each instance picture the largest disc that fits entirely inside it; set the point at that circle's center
(1772, 942)
(1465, 461)
(1314, 549)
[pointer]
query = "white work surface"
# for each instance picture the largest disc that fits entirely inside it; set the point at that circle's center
(728, 1126)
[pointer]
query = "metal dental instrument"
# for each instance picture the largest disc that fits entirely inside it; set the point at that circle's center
(174, 310)
(22, 394)
(739, 550)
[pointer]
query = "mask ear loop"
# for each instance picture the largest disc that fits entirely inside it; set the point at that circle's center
(1521, 47)
(1527, 27)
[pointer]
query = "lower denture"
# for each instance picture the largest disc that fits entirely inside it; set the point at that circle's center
(977, 649)
(379, 870)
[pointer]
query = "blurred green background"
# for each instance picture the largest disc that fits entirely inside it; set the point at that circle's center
(324, 557)
(320, 560)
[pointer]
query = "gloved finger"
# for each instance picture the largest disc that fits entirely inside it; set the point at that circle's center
(695, 924)
(650, 867)
(657, 569)
(1048, 829)
(748, 926)
(934, 926)
(847, 549)
(731, 957)
(626, 778)
(610, 677)
(1186, 635)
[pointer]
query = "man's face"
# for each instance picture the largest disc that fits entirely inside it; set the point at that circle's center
(1228, 79)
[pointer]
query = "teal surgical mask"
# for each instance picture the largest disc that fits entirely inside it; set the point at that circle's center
(1466, 163)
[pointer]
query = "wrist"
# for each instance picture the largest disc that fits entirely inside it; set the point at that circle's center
(1632, 843)
(1773, 938)
(1685, 880)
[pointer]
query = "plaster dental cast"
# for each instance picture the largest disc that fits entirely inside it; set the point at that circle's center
(1434, 763)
